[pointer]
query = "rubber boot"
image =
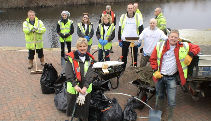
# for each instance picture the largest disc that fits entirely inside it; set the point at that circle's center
(170, 113)
(30, 64)
(42, 61)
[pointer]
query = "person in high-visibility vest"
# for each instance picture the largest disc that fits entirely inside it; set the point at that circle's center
(65, 29)
(137, 11)
(34, 29)
(169, 59)
(113, 17)
(79, 74)
(161, 20)
(85, 30)
(105, 34)
(130, 25)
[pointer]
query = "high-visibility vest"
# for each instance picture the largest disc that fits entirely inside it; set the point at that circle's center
(76, 70)
(112, 15)
(83, 31)
(65, 29)
(123, 21)
(183, 52)
(109, 32)
(161, 22)
(139, 12)
(34, 39)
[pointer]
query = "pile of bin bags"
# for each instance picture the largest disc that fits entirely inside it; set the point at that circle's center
(101, 107)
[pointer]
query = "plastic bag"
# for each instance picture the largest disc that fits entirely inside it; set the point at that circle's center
(49, 76)
(58, 84)
(60, 99)
(129, 113)
(113, 113)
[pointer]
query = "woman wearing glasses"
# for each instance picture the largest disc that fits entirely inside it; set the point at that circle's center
(85, 30)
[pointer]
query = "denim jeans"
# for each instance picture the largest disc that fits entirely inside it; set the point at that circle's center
(167, 85)
(100, 55)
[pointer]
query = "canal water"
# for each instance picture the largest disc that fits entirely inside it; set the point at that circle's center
(180, 14)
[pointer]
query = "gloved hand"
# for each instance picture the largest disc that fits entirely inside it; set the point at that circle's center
(81, 99)
(66, 35)
(138, 44)
(105, 42)
(158, 75)
(188, 60)
(120, 43)
(61, 35)
(101, 41)
(87, 37)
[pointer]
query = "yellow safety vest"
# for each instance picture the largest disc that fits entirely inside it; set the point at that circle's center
(65, 29)
(183, 51)
(70, 88)
(161, 22)
(83, 31)
(109, 32)
(34, 39)
(123, 21)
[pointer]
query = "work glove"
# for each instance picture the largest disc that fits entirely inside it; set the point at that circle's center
(120, 43)
(105, 42)
(137, 43)
(158, 75)
(101, 41)
(66, 35)
(188, 60)
(81, 99)
(87, 37)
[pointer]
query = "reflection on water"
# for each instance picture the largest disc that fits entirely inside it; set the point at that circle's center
(180, 14)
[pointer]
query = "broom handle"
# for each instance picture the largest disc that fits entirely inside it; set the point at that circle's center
(35, 58)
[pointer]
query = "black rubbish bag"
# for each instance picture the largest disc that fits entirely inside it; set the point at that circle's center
(58, 84)
(60, 99)
(129, 113)
(49, 76)
(113, 113)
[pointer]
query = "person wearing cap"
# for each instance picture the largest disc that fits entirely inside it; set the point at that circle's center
(34, 29)
(105, 34)
(130, 25)
(169, 59)
(85, 30)
(151, 35)
(161, 20)
(65, 29)
(137, 11)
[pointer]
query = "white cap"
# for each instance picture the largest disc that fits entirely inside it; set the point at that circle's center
(66, 12)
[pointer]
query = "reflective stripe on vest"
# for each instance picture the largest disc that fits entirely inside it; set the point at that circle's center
(183, 51)
(109, 32)
(83, 31)
(65, 29)
(123, 21)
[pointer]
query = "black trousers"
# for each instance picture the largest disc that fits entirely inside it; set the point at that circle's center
(32, 53)
(125, 50)
(63, 47)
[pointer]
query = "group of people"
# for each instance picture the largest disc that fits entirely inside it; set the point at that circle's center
(168, 56)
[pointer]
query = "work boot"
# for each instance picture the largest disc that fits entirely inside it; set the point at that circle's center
(170, 113)
(42, 61)
(30, 64)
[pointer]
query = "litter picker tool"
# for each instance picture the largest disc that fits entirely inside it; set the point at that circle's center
(132, 41)
(36, 71)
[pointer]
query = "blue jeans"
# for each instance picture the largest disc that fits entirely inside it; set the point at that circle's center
(167, 85)
(100, 55)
